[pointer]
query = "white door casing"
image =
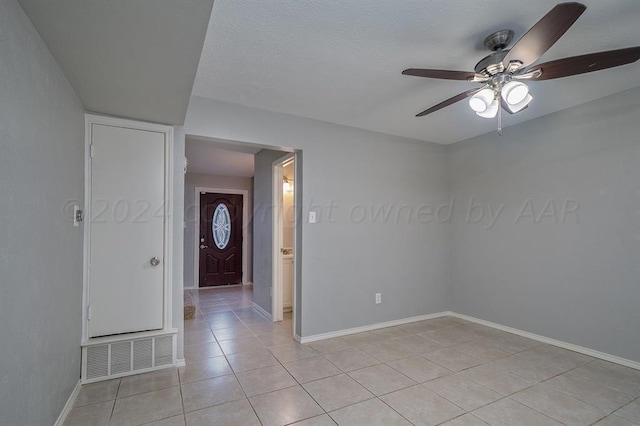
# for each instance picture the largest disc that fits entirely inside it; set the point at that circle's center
(287, 282)
(128, 221)
(277, 288)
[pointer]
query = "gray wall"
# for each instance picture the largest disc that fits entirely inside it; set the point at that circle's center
(41, 175)
(193, 180)
(177, 314)
(297, 258)
(263, 227)
(347, 172)
(570, 278)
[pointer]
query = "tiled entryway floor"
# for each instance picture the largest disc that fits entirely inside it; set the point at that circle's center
(243, 370)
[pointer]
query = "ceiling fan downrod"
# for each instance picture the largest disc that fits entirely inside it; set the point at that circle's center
(500, 115)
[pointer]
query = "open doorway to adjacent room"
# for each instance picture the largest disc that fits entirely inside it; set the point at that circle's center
(218, 207)
(241, 231)
(284, 230)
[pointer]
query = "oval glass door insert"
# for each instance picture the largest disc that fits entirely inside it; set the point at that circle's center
(221, 226)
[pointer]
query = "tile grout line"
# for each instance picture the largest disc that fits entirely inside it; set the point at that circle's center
(298, 383)
(529, 387)
(113, 408)
(347, 373)
(233, 371)
(484, 362)
(235, 375)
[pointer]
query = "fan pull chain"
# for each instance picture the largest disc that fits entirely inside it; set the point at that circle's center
(499, 115)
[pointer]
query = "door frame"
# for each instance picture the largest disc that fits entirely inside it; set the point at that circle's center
(245, 227)
(167, 261)
(277, 290)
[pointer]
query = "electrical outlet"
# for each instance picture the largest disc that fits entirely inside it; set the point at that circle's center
(378, 298)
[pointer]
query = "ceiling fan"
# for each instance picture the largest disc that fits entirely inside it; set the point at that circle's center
(503, 71)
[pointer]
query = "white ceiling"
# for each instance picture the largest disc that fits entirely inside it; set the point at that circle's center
(135, 59)
(341, 61)
(218, 158)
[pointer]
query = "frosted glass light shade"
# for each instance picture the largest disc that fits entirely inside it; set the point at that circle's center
(519, 106)
(491, 110)
(514, 92)
(482, 100)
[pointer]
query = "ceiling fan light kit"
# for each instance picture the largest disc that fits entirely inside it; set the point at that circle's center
(513, 108)
(514, 92)
(491, 111)
(481, 100)
(502, 71)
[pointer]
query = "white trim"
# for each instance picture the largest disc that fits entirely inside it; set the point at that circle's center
(86, 227)
(559, 343)
(69, 405)
(209, 288)
(297, 250)
(110, 340)
(370, 327)
(245, 230)
(128, 337)
(129, 373)
(277, 229)
(276, 240)
(262, 311)
(181, 363)
(167, 263)
(570, 346)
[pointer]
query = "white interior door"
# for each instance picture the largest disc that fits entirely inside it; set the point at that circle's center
(125, 291)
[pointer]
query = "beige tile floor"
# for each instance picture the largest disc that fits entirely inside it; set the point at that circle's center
(243, 370)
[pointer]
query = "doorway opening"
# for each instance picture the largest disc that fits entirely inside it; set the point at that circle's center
(222, 167)
(284, 237)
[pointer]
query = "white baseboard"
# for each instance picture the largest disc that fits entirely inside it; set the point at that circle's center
(69, 405)
(262, 312)
(347, 331)
(196, 287)
(181, 362)
(248, 283)
(570, 346)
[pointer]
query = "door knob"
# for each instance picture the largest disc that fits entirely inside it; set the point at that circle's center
(154, 261)
(202, 246)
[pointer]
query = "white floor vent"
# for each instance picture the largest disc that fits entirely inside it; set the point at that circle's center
(107, 358)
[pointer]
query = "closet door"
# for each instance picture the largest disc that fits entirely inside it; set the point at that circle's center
(127, 216)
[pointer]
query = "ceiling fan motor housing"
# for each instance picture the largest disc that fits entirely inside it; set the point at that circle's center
(492, 64)
(498, 40)
(497, 43)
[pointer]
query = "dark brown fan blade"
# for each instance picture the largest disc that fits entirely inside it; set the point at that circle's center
(450, 101)
(442, 74)
(544, 33)
(586, 63)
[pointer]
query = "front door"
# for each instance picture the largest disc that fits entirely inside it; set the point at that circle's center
(220, 241)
